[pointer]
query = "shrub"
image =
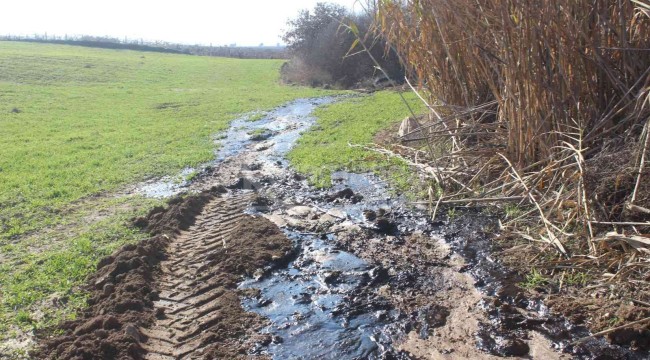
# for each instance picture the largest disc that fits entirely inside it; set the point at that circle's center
(318, 46)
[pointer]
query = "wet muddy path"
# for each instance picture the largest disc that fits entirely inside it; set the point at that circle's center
(354, 272)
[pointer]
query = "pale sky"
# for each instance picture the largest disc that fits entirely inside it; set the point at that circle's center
(220, 22)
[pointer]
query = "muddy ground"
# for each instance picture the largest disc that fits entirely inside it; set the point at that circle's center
(593, 302)
(270, 267)
(168, 296)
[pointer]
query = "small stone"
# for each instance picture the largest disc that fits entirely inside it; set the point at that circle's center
(259, 273)
(263, 146)
(132, 331)
(276, 219)
(277, 339)
(339, 214)
(108, 289)
(325, 219)
(346, 226)
(300, 211)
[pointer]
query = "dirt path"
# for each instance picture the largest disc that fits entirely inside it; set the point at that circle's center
(193, 295)
(175, 296)
(273, 268)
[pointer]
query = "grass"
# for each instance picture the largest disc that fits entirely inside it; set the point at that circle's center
(260, 134)
(512, 211)
(40, 275)
(80, 122)
(257, 116)
(84, 130)
(534, 279)
(324, 149)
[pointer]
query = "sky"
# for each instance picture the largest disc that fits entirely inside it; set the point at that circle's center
(217, 22)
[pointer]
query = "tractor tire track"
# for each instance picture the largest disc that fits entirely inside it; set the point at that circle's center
(185, 311)
(197, 295)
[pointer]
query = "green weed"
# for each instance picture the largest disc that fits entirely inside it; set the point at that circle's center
(577, 279)
(257, 116)
(512, 211)
(324, 148)
(534, 279)
(23, 317)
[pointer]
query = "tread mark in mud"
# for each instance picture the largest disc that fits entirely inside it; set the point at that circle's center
(185, 293)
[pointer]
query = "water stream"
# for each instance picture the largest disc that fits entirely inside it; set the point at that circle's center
(324, 303)
(283, 126)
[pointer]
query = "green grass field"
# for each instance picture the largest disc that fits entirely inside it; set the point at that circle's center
(324, 149)
(79, 122)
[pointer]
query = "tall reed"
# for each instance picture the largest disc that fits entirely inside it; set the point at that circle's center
(553, 67)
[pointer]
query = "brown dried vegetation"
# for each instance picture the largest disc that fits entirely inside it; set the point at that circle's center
(544, 106)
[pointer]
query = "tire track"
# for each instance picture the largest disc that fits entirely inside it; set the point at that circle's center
(187, 313)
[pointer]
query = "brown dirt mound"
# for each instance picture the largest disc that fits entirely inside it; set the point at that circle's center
(179, 215)
(199, 313)
(175, 295)
(248, 256)
(121, 293)
(121, 300)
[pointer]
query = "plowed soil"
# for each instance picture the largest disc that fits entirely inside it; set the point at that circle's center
(175, 296)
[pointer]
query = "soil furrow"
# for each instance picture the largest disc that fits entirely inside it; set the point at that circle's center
(175, 296)
(198, 313)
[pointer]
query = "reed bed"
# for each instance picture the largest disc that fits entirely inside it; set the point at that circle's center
(544, 106)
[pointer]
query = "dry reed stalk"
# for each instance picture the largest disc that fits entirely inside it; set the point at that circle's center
(644, 149)
(609, 331)
(509, 79)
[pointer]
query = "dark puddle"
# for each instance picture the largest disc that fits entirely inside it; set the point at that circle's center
(304, 304)
(323, 304)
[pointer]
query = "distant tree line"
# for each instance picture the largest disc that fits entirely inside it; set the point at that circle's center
(105, 42)
(240, 52)
(324, 52)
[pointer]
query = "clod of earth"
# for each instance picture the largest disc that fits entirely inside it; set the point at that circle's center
(345, 194)
(175, 294)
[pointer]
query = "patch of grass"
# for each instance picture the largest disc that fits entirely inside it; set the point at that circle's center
(579, 278)
(614, 321)
(258, 132)
(257, 116)
(193, 175)
(83, 130)
(324, 149)
(78, 122)
(512, 211)
(534, 279)
(23, 317)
